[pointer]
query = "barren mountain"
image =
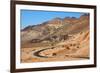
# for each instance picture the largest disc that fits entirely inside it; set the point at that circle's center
(54, 29)
(56, 40)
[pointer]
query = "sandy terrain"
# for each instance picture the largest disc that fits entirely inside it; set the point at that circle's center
(75, 48)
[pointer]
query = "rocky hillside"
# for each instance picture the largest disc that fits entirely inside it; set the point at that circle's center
(55, 30)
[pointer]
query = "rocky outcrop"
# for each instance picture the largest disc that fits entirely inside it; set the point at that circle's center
(56, 29)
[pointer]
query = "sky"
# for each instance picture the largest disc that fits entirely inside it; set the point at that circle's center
(33, 17)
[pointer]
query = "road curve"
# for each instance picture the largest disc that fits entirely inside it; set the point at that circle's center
(37, 53)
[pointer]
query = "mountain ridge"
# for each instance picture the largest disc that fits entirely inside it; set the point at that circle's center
(56, 27)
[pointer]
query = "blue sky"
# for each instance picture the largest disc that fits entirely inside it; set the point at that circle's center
(33, 17)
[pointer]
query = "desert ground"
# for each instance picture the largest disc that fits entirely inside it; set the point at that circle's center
(76, 48)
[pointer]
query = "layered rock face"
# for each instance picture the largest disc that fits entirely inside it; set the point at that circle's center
(55, 29)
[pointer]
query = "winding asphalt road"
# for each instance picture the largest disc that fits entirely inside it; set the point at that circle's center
(37, 53)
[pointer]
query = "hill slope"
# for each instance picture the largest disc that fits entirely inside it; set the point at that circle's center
(56, 29)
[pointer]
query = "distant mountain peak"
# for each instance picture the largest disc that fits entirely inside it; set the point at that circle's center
(57, 18)
(57, 22)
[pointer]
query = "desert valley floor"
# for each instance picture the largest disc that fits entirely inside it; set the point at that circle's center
(62, 51)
